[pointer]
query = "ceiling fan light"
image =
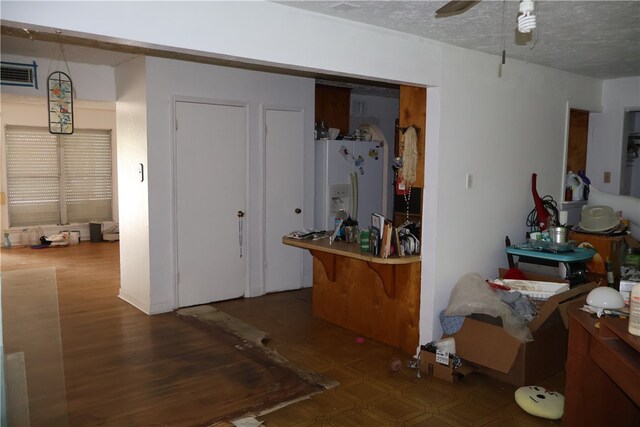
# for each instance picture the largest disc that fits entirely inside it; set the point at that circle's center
(526, 23)
(526, 6)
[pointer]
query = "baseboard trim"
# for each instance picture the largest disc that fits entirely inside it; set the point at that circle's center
(146, 308)
(164, 307)
(127, 297)
(254, 292)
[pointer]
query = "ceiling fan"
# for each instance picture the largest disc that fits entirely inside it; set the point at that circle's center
(526, 21)
(455, 8)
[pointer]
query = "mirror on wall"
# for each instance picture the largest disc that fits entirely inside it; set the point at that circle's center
(630, 185)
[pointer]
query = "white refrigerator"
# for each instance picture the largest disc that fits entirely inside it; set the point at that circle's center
(349, 175)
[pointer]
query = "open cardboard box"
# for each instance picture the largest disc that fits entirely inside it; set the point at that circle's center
(429, 366)
(483, 342)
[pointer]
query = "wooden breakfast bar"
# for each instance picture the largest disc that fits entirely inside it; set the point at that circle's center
(373, 296)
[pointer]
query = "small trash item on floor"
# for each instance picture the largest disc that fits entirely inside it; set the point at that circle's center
(540, 402)
(359, 340)
(75, 237)
(395, 364)
(60, 239)
(246, 422)
(112, 234)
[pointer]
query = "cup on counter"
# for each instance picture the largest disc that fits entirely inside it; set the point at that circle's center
(350, 233)
(558, 234)
(365, 236)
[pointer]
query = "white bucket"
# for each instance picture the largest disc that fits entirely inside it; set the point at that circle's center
(74, 237)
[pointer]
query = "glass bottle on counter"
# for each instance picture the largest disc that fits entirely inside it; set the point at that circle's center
(321, 130)
(610, 279)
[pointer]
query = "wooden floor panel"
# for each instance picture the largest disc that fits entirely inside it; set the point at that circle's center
(124, 368)
(118, 360)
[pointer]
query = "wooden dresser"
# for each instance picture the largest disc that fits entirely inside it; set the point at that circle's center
(603, 372)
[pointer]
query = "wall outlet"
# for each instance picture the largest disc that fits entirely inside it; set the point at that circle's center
(607, 177)
(468, 181)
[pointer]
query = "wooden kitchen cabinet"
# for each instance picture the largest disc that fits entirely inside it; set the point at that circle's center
(373, 296)
(413, 112)
(578, 137)
(333, 106)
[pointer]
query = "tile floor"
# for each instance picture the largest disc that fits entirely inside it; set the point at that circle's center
(369, 393)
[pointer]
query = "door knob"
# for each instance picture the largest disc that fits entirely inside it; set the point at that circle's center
(240, 214)
(298, 210)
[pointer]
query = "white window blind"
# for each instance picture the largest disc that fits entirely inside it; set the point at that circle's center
(58, 179)
(33, 176)
(87, 173)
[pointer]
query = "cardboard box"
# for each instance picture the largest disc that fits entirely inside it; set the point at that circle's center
(483, 342)
(627, 282)
(429, 366)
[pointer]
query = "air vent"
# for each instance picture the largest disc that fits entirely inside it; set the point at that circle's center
(16, 74)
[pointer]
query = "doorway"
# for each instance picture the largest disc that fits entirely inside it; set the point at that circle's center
(210, 201)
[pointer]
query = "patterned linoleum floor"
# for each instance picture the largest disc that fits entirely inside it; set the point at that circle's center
(369, 393)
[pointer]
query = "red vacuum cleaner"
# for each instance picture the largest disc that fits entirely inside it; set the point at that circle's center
(541, 211)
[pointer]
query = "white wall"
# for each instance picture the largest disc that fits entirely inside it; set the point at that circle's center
(381, 111)
(605, 152)
(169, 78)
(32, 111)
(90, 82)
(501, 130)
(131, 113)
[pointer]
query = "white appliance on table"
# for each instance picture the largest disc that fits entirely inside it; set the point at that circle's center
(352, 176)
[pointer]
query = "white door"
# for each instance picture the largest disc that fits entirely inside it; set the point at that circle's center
(284, 195)
(210, 191)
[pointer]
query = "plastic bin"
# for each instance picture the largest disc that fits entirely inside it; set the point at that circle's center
(95, 231)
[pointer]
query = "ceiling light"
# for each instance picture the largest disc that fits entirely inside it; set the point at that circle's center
(526, 21)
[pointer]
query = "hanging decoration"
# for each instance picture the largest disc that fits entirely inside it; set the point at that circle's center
(60, 97)
(60, 94)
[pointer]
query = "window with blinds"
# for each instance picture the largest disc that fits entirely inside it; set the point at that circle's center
(58, 179)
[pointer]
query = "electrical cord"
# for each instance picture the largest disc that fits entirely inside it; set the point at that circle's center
(551, 206)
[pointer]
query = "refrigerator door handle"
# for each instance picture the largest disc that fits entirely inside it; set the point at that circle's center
(354, 194)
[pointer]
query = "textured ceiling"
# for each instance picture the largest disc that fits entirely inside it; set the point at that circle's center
(599, 39)
(594, 38)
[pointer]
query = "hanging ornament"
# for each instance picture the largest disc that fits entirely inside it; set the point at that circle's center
(60, 96)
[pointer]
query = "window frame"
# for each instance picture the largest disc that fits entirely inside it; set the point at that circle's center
(62, 176)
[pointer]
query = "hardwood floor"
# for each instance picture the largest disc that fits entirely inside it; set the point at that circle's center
(369, 393)
(120, 366)
(124, 368)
